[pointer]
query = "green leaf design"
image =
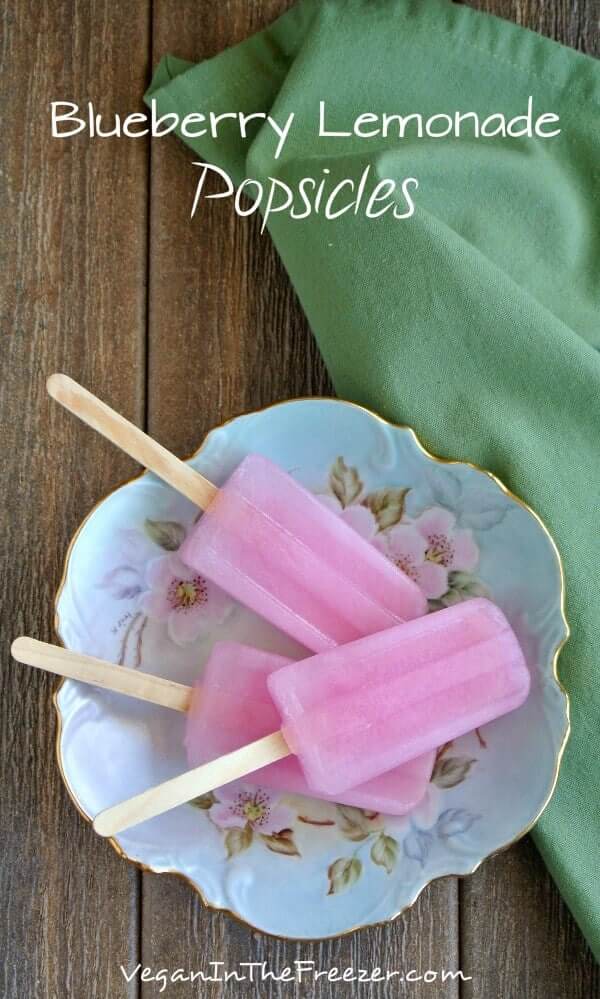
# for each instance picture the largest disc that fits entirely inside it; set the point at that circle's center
(205, 801)
(169, 534)
(384, 852)
(343, 873)
(387, 506)
(238, 840)
(344, 482)
(451, 770)
(461, 586)
(353, 823)
(282, 842)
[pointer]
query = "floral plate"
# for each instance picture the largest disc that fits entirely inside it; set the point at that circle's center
(288, 865)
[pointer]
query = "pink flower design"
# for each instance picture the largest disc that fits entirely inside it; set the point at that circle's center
(240, 806)
(358, 517)
(188, 602)
(429, 548)
(406, 548)
(453, 549)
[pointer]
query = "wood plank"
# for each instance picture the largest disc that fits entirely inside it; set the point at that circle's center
(227, 335)
(517, 935)
(72, 293)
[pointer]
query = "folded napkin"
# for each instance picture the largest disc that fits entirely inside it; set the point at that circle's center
(476, 320)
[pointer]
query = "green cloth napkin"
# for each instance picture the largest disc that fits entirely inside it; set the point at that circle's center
(475, 321)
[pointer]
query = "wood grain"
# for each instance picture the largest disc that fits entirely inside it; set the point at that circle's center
(216, 331)
(72, 278)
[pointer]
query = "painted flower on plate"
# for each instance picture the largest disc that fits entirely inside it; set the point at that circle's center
(355, 515)
(448, 548)
(406, 548)
(188, 602)
(430, 547)
(240, 806)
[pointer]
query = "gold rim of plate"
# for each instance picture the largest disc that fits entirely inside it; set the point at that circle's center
(147, 869)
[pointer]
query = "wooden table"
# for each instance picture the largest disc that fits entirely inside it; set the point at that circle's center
(180, 325)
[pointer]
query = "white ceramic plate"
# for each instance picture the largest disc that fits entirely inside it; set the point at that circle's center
(303, 868)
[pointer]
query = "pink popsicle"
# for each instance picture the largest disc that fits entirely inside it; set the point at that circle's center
(274, 547)
(231, 705)
(354, 712)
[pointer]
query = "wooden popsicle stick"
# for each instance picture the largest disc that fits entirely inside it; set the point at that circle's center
(190, 784)
(75, 666)
(132, 440)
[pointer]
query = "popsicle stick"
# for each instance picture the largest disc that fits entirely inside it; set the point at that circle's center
(75, 666)
(189, 785)
(131, 439)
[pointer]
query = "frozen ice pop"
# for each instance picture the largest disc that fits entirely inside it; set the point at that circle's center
(278, 550)
(270, 543)
(227, 706)
(357, 711)
(231, 706)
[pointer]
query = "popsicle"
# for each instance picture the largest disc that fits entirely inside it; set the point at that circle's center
(357, 711)
(278, 550)
(227, 706)
(354, 712)
(231, 705)
(269, 542)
